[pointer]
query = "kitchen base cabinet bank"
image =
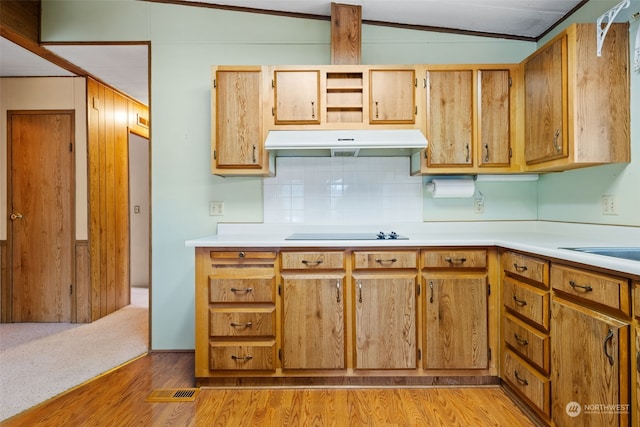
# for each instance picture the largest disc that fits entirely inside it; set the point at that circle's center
(336, 315)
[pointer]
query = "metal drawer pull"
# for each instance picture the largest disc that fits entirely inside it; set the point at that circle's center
(245, 290)
(520, 302)
(241, 359)
(520, 340)
(586, 288)
(608, 338)
(455, 260)
(520, 380)
(241, 254)
(311, 263)
(557, 146)
(519, 268)
(338, 291)
(244, 325)
(392, 260)
(431, 288)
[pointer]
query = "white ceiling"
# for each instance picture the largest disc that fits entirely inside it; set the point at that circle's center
(125, 67)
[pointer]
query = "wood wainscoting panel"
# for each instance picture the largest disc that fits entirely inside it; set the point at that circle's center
(84, 292)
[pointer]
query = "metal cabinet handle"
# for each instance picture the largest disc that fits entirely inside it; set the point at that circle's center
(519, 268)
(241, 254)
(486, 152)
(313, 109)
(520, 379)
(245, 290)
(520, 340)
(431, 291)
(574, 285)
(455, 260)
(377, 109)
(241, 358)
(311, 263)
(359, 291)
(520, 302)
(381, 261)
(15, 216)
(254, 153)
(608, 338)
(243, 325)
(557, 147)
(338, 291)
(468, 153)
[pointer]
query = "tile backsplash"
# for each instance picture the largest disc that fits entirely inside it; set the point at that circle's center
(342, 190)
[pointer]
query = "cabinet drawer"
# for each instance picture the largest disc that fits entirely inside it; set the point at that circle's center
(251, 289)
(245, 357)
(532, 345)
(529, 268)
(384, 259)
(609, 291)
(312, 260)
(227, 323)
(466, 258)
(243, 257)
(527, 302)
(636, 301)
(528, 382)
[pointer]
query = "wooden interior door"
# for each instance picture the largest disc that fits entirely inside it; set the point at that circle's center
(41, 207)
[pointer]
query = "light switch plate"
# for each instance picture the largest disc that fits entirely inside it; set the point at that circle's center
(216, 208)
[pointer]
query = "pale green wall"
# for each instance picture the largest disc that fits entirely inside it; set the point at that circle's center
(185, 42)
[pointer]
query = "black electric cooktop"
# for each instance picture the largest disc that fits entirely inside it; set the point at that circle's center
(346, 236)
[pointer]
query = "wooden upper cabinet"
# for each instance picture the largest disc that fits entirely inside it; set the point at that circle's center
(577, 104)
(494, 118)
(392, 96)
(449, 117)
(237, 129)
(297, 96)
(545, 107)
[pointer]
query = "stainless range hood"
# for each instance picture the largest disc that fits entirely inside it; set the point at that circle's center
(345, 143)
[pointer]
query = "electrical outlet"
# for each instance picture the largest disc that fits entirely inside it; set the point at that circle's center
(609, 205)
(216, 208)
(478, 205)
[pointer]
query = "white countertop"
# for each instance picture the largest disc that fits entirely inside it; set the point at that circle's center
(536, 237)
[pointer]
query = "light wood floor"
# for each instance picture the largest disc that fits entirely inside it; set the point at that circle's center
(118, 399)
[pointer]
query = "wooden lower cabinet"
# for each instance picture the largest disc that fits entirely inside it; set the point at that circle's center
(456, 321)
(590, 375)
(635, 363)
(313, 321)
(385, 321)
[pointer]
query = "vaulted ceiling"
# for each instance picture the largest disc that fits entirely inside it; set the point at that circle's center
(519, 19)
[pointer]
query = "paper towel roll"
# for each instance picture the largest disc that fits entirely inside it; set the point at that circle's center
(451, 188)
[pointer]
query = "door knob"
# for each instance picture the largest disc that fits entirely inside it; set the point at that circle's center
(15, 216)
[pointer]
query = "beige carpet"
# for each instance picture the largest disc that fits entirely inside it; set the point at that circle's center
(35, 368)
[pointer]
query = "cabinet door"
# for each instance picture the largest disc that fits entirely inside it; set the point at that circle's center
(636, 365)
(313, 321)
(589, 367)
(449, 118)
(494, 116)
(237, 108)
(545, 106)
(297, 96)
(392, 96)
(385, 321)
(456, 333)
